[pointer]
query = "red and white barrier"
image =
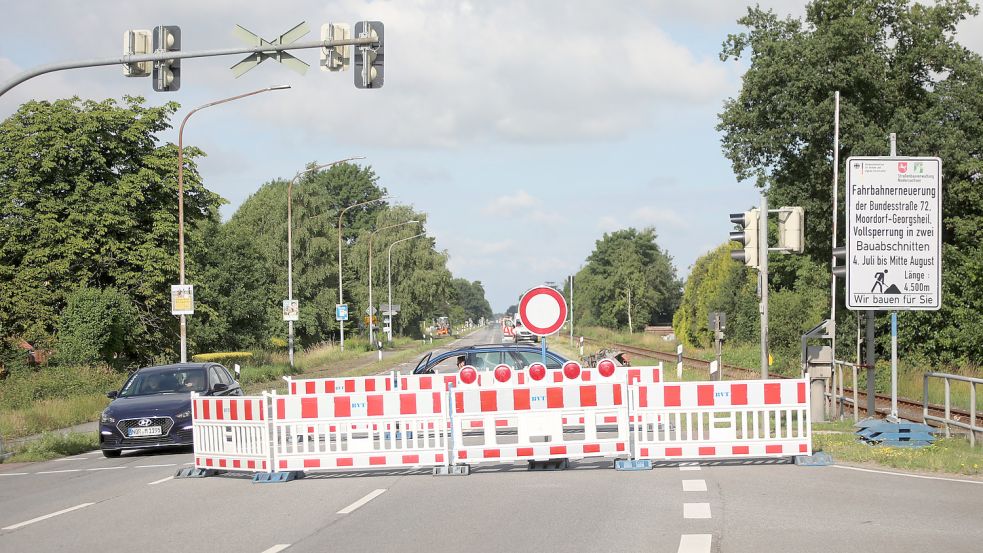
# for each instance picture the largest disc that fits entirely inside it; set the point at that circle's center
(541, 416)
(347, 385)
(231, 433)
(359, 431)
(750, 418)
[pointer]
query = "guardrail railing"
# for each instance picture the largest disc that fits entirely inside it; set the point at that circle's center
(839, 396)
(947, 419)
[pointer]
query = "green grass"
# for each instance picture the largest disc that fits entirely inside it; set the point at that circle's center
(51, 446)
(948, 455)
(51, 414)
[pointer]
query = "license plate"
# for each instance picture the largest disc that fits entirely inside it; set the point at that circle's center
(139, 431)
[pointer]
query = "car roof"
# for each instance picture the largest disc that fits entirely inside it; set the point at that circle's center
(175, 366)
(437, 358)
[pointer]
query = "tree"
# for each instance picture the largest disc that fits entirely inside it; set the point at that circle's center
(627, 264)
(899, 69)
(90, 200)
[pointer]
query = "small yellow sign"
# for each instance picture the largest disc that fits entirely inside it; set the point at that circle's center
(771, 360)
(182, 299)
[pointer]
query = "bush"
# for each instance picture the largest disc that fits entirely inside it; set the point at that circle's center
(95, 326)
(23, 388)
(227, 358)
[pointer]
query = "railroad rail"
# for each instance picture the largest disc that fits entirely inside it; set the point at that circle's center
(907, 408)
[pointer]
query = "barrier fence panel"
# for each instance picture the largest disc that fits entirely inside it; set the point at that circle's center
(359, 431)
(750, 418)
(571, 421)
(348, 385)
(231, 433)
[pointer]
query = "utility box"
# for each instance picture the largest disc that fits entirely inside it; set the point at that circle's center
(819, 361)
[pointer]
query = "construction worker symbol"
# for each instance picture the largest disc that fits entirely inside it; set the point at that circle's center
(882, 287)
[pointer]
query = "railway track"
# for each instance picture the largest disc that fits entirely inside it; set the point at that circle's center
(907, 408)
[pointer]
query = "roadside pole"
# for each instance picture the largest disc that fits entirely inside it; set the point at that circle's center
(763, 282)
(894, 326)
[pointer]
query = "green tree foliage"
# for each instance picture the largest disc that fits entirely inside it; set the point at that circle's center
(621, 261)
(899, 69)
(718, 283)
(89, 200)
(96, 326)
(469, 301)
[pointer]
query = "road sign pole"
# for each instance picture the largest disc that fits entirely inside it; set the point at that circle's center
(894, 326)
(544, 350)
(763, 273)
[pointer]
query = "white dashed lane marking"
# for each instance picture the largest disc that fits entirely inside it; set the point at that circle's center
(695, 543)
(369, 497)
(277, 548)
(161, 481)
(696, 510)
(58, 471)
(154, 466)
(689, 467)
(105, 468)
(694, 485)
(45, 517)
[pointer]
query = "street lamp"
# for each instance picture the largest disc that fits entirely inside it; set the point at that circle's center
(180, 195)
(341, 299)
(389, 278)
(290, 247)
(371, 234)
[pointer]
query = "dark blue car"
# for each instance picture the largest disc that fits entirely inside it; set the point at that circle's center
(153, 408)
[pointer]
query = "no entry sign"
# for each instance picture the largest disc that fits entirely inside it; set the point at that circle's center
(543, 310)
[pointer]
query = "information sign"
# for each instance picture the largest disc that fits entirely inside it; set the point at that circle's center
(894, 233)
(182, 299)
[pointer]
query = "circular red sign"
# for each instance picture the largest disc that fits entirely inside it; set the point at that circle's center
(503, 373)
(606, 367)
(468, 374)
(571, 369)
(537, 371)
(543, 310)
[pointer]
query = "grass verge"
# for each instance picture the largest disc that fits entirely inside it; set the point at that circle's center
(55, 445)
(946, 455)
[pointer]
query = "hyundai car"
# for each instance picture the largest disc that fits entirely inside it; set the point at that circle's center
(488, 356)
(153, 408)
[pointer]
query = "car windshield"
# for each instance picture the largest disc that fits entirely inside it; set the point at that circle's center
(175, 381)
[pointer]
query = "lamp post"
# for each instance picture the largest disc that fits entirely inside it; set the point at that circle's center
(180, 196)
(371, 234)
(389, 279)
(341, 299)
(290, 248)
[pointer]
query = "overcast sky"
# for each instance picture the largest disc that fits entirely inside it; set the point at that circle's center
(525, 130)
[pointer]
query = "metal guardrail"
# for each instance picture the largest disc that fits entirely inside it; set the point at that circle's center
(839, 396)
(947, 419)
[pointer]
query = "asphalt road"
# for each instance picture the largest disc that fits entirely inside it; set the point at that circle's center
(89, 503)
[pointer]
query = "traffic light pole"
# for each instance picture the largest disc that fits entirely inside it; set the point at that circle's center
(763, 282)
(165, 56)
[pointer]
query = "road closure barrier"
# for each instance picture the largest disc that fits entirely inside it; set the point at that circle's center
(499, 416)
(231, 433)
(735, 419)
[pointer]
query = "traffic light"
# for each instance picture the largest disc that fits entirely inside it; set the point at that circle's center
(167, 73)
(338, 58)
(839, 254)
(137, 43)
(369, 58)
(791, 229)
(747, 236)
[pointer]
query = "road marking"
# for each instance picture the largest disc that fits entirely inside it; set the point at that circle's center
(910, 475)
(71, 459)
(696, 510)
(694, 485)
(13, 473)
(161, 481)
(695, 543)
(45, 517)
(372, 495)
(58, 471)
(277, 548)
(154, 466)
(106, 468)
(689, 467)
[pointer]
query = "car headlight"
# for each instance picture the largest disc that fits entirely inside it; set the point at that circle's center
(105, 417)
(183, 414)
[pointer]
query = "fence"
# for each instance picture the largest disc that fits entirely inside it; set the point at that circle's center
(435, 420)
(947, 419)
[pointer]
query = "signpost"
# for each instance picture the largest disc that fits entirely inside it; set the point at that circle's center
(894, 240)
(543, 311)
(291, 310)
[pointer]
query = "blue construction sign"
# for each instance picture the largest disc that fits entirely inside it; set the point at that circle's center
(341, 312)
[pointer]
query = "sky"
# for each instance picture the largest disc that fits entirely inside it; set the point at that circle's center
(524, 130)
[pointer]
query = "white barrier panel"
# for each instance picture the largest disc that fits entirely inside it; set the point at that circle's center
(349, 385)
(750, 418)
(359, 431)
(231, 433)
(550, 422)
